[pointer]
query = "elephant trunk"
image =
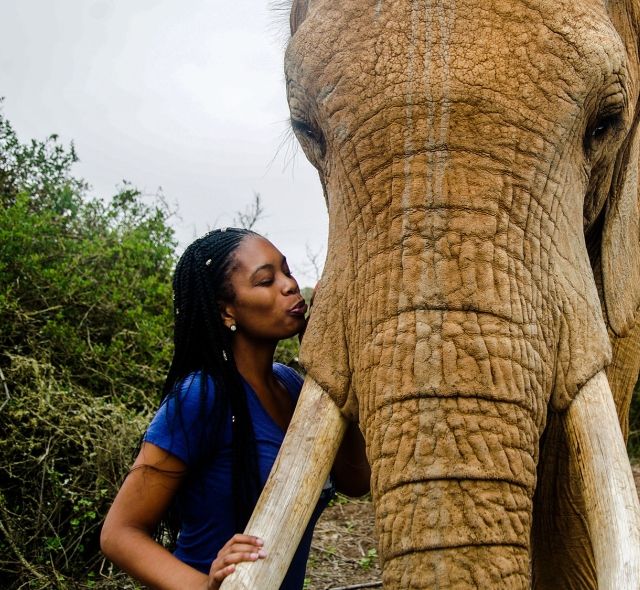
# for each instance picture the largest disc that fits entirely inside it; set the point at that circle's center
(453, 490)
(450, 365)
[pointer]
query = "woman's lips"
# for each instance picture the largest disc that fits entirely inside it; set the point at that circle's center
(299, 309)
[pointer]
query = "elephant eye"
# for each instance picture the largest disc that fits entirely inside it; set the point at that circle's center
(308, 132)
(604, 126)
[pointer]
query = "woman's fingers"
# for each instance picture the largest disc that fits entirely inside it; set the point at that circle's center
(243, 544)
(241, 553)
(244, 539)
(237, 549)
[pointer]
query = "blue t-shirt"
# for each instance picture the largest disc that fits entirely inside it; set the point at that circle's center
(205, 504)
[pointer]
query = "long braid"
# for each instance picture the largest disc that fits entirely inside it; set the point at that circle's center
(203, 343)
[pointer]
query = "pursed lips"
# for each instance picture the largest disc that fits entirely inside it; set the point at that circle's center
(299, 309)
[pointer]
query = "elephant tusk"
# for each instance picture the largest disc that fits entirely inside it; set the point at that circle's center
(292, 489)
(613, 511)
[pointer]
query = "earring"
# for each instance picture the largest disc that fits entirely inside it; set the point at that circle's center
(233, 327)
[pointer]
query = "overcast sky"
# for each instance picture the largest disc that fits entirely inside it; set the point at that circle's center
(184, 95)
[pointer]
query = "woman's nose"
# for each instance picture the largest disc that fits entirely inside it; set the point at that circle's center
(291, 285)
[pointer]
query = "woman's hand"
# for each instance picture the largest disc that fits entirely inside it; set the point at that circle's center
(237, 549)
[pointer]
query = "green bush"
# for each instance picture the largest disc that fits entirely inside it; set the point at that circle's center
(85, 340)
(63, 454)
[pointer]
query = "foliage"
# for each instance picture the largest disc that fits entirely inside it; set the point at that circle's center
(287, 352)
(91, 287)
(85, 310)
(63, 455)
(368, 560)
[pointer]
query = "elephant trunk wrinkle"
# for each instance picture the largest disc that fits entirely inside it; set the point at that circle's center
(463, 567)
(445, 523)
(452, 394)
(434, 548)
(462, 309)
(526, 487)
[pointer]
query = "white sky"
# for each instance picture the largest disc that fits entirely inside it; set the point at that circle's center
(186, 95)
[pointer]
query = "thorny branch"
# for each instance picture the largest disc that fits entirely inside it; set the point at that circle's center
(6, 391)
(4, 529)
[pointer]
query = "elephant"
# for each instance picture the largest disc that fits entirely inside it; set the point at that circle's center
(478, 311)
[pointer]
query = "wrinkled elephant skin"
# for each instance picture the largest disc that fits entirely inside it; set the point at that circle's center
(479, 162)
(466, 149)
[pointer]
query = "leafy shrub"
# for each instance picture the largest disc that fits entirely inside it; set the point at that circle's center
(85, 340)
(63, 456)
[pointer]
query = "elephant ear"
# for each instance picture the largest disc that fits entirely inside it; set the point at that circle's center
(621, 242)
(298, 14)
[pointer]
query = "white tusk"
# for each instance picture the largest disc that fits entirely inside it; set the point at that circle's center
(292, 489)
(613, 510)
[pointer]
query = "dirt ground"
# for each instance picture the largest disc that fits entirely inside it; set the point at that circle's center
(343, 551)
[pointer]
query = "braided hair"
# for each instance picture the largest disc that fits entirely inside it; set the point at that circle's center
(202, 344)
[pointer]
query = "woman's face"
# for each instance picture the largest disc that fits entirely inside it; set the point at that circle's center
(267, 303)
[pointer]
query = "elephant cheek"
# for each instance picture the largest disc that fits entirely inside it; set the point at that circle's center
(583, 344)
(325, 348)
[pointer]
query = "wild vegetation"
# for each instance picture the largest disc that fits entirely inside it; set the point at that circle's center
(85, 311)
(85, 339)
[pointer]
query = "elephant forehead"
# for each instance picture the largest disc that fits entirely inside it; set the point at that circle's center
(539, 53)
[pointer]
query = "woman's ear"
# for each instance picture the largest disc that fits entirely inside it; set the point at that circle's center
(621, 241)
(227, 314)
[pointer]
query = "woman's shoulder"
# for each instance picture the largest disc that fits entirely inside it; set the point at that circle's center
(193, 381)
(192, 391)
(183, 420)
(291, 379)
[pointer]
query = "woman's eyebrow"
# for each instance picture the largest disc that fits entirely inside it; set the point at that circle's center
(267, 266)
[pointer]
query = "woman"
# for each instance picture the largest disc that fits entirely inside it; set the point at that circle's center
(226, 406)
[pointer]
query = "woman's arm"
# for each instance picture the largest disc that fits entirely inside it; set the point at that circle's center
(351, 471)
(141, 502)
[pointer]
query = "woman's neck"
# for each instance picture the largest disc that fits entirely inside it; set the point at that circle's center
(254, 361)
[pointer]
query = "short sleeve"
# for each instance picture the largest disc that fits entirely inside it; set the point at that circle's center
(180, 426)
(290, 378)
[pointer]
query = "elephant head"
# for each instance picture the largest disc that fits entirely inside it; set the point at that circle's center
(479, 162)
